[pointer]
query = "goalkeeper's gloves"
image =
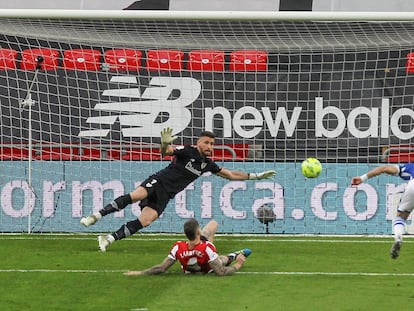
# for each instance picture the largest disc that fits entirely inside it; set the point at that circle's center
(262, 175)
(166, 137)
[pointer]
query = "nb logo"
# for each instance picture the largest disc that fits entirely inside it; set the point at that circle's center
(137, 117)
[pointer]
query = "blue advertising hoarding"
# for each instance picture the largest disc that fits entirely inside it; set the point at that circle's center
(324, 205)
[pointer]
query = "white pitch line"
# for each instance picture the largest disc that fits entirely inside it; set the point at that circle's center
(408, 239)
(61, 271)
(299, 273)
(310, 273)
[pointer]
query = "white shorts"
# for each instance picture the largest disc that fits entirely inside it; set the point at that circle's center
(407, 199)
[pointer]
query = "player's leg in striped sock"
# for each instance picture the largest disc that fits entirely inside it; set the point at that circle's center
(399, 230)
(116, 205)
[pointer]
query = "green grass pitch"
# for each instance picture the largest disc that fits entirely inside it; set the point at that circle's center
(66, 272)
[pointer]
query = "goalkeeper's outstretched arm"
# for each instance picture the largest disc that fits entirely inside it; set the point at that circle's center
(238, 175)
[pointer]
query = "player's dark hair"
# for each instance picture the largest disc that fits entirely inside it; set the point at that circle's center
(190, 229)
(207, 134)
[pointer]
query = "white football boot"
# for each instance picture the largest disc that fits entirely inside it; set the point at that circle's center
(103, 242)
(89, 220)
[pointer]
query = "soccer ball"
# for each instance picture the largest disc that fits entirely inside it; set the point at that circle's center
(311, 168)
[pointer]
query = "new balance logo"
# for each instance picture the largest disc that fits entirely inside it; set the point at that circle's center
(137, 117)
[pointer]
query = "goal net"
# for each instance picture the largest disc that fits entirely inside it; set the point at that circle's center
(80, 125)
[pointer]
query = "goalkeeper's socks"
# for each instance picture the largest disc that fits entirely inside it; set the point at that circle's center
(128, 229)
(116, 205)
(98, 216)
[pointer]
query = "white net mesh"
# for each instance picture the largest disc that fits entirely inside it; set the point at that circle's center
(274, 92)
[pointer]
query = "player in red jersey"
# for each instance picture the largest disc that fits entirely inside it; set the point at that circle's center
(198, 254)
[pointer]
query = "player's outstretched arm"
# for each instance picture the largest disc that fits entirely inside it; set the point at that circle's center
(220, 270)
(385, 169)
(166, 141)
(237, 175)
(262, 175)
(157, 269)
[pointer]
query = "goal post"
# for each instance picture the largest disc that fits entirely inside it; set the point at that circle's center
(276, 88)
(287, 16)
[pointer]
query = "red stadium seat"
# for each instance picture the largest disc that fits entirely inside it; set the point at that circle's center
(7, 59)
(81, 59)
(14, 153)
(113, 154)
(50, 59)
(398, 154)
(248, 60)
(123, 59)
(225, 152)
(136, 154)
(88, 153)
(410, 62)
(57, 153)
(170, 60)
(141, 154)
(206, 60)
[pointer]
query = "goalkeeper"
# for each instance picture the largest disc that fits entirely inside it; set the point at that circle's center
(154, 193)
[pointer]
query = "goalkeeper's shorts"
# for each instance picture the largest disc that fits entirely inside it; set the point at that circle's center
(157, 198)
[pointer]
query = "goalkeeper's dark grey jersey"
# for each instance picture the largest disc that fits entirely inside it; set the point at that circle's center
(185, 167)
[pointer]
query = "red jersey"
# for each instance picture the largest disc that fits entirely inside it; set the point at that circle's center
(196, 259)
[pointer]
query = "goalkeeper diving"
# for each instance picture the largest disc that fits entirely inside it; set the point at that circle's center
(154, 193)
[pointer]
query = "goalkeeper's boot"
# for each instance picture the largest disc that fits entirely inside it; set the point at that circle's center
(395, 249)
(90, 220)
(103, 242)
(232, 256)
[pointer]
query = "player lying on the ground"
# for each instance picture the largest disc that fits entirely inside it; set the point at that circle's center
(198, 254)
(188, 164)
(406, 204)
